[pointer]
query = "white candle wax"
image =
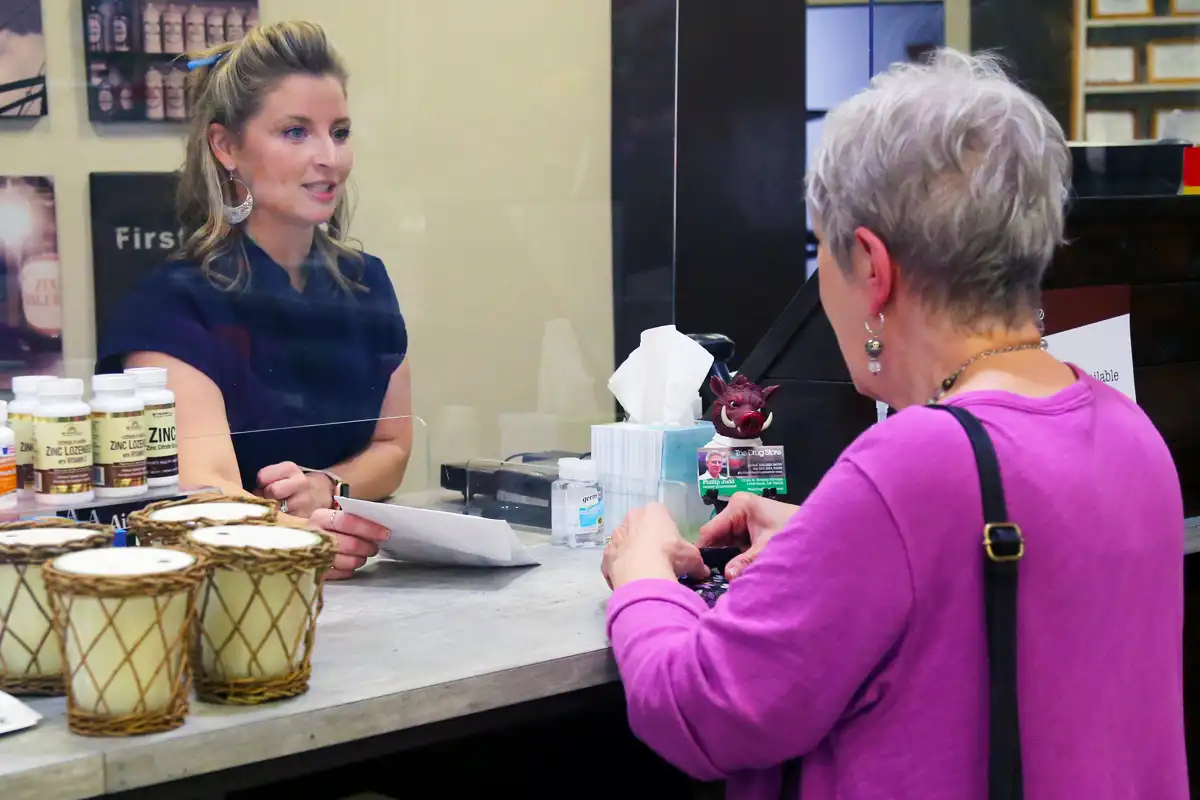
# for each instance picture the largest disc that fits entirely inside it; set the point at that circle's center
(28, 646)
(249, 633)
(217, 511)
(101, 631)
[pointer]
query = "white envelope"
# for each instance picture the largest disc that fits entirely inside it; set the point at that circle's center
(425, 536)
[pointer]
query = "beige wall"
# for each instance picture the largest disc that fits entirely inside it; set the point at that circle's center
(482, 135)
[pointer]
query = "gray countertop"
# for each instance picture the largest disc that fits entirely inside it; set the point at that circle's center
(397, 647)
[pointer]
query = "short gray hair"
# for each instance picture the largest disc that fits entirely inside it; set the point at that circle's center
(960, 172)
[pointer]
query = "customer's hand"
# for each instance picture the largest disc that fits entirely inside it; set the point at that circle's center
(299, 493)
(648, 545)
(749, 521)
(357, 540)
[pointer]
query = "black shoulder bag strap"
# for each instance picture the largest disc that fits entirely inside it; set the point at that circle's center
(1003, 547)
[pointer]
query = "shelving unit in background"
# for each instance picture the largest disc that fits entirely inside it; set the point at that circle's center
(1135, 106)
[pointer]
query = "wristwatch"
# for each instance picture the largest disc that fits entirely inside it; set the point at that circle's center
(340, 487)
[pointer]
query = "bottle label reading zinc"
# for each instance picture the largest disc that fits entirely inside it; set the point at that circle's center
(62, 462)
(119, 449)
(22, 428)
(162, 449)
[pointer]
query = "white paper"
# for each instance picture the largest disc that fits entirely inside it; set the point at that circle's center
(15, 715)
(1111, 65)
(425, 536)
(1102, 349)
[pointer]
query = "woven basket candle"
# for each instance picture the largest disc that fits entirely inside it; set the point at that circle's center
(124, 615)
(30, 655)
(257, 611)
(169, 522)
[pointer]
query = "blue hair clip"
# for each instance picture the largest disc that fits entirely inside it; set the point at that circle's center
(204, 62)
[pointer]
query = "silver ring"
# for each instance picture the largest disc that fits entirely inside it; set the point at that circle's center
(283, 507)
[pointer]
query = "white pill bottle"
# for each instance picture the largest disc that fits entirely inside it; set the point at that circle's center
(162, 446)
(62, 431)
(118, 437)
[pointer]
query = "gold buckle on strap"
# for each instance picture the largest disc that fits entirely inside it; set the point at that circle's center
(989, 544)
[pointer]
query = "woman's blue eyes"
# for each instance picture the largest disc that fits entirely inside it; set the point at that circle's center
(298, 134)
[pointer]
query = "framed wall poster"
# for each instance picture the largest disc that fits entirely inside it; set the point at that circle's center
(1110, 127)
(22, 59)
(1107, 9)
(1185, 8)
(134, 229)
(136, 52)
(1173, 61)
(1111, 65)
(1177, 123)
(30, 300)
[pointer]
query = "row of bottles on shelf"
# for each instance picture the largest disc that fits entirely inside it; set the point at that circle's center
(166, 28)
(162, 93)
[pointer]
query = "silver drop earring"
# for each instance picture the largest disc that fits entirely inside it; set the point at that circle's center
(1041, 326)
(874, 347)
(235, 215)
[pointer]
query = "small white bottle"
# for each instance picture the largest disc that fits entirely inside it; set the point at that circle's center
(20, 418)
(118, 437)
(152, 34)
(172, 29)
(162, 447)
(8, 461)
(154, 94)
(216, 26)
(577, 505)
(235, 25)
(194, 37)
(174, 95)
(62, 430)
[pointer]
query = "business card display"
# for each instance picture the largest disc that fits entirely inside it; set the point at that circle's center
(729, 470)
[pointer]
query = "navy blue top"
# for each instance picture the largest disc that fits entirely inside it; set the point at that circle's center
(282, 359)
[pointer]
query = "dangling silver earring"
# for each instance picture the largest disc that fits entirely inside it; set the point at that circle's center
(235, 215)
(1041, 326)
(874, 347)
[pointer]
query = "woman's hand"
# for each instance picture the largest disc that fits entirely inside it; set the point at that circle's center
(299, 493)
(749, 521)
(648, 545)
(357, 540)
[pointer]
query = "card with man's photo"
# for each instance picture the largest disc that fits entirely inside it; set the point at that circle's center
(740, 469)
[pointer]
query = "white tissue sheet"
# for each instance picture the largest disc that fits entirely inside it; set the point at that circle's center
(659, 383)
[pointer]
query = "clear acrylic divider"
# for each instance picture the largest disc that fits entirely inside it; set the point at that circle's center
(419, 478)
(521, 493)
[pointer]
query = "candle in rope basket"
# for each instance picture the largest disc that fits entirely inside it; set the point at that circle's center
(30, 654)
(124, 616)
(169, 522)
(257, 611)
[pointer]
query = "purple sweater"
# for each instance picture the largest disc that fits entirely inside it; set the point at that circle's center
(857, 638)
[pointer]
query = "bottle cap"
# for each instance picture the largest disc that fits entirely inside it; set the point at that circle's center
(586, 470)
(567, 468)
(114, 383)
(3, 411)
(61, 387)
(148, 376)
(28, 384)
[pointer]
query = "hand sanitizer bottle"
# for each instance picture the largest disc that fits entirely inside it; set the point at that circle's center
(577, 505)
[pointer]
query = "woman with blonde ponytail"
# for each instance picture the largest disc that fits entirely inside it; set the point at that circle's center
(267, 319)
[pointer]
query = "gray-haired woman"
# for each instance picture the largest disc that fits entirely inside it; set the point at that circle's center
(853, 633)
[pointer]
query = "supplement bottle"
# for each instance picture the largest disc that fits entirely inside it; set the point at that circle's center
(20, 419)
(162, 448)
(577, 505)
(62, 431)
(118, 437)
(8, 461)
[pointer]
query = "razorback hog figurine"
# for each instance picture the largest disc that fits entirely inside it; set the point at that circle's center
(740, 412)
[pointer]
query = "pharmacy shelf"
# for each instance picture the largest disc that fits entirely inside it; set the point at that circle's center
(1142, 88)
(1145, 22)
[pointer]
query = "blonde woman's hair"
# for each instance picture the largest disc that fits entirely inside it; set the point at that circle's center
(228, 87)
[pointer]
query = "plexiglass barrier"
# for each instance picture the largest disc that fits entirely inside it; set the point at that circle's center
(522, 492)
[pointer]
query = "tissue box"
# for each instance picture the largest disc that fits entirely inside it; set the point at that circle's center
(643, 464)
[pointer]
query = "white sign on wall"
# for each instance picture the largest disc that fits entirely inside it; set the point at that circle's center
(1102, 349)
